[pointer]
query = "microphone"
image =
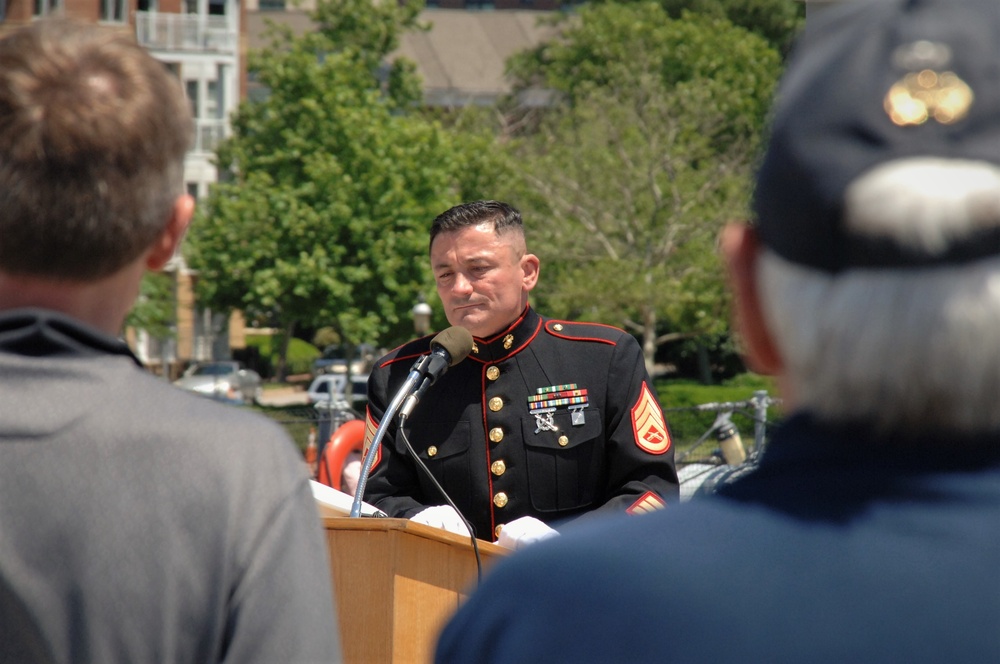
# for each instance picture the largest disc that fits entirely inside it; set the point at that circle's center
(448, 348)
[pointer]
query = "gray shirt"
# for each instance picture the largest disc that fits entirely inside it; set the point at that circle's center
(139, 523)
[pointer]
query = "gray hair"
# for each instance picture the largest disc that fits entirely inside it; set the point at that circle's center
(905, 350)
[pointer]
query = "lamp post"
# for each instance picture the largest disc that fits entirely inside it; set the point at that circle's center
(421, 317)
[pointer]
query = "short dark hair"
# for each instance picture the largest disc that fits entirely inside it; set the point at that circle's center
(504, 217)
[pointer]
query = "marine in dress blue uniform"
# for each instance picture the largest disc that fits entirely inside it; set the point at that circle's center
(550, 419)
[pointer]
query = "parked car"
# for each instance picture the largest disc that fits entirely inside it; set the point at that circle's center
(327, 386)
(333, 360)
(223, 380)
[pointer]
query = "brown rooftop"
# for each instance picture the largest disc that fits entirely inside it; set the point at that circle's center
(460, 59)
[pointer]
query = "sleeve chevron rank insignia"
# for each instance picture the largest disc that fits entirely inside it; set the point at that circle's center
(648, 425)
(371, 426)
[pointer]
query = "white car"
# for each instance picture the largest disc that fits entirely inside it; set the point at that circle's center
(224, 380)
(331, 386)
(334, 360)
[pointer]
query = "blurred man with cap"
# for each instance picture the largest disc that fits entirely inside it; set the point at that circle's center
(871, 288)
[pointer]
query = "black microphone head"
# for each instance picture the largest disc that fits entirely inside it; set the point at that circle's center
(457, 341)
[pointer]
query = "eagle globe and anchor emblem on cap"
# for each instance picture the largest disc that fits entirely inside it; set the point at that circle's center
(927, 91)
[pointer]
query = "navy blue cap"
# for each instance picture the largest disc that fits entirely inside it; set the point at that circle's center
(873, 83)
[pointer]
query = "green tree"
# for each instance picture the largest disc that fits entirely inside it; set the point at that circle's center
(777, 21)
(615, 46)
(332, 184)
(154, 308)
(636, 172)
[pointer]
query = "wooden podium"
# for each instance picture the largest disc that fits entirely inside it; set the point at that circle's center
(396, 584)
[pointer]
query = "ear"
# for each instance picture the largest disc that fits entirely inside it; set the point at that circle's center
(740, 249)
(530, 267)
(166, 244)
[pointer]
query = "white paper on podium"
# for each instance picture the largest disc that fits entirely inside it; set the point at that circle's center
(339, 503)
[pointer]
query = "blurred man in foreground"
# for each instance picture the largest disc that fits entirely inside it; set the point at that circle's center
(138, 523)
(871, 288)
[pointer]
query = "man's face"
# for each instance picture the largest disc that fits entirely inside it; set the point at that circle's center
(483, 280)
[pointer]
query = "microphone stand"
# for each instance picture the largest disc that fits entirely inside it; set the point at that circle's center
(412, 381)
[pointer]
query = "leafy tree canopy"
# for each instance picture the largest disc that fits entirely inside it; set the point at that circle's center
(636, 172)
(616, 46)
(332, 184)
(777, 21)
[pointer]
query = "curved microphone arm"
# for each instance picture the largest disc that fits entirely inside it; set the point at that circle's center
(366, 467)
(447, 348)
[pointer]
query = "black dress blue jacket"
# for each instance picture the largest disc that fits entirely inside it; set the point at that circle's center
(549, 419)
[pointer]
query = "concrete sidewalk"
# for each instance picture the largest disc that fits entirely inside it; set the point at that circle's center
(289, 395)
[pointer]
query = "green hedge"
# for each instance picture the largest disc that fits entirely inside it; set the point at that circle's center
(300, 353)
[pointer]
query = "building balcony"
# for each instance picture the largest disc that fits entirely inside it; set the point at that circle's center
(208, 133)
(193, 33)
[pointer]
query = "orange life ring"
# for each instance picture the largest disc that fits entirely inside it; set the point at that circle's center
(349, 437)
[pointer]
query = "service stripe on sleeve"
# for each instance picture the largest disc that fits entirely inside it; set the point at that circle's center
(371, 426)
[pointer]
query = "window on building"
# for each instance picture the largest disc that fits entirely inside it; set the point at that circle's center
(212, 105)
(273, 5)
(3, 9)
(146, 5)
(43, 7)
(113, 11)
(192, 189)
(192, 94)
